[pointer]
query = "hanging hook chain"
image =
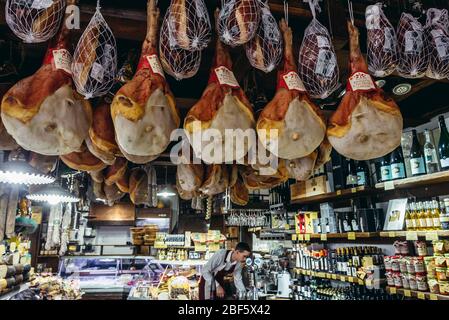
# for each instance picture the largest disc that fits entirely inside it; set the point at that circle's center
(286, 11)
(351, 11)
(98, 5)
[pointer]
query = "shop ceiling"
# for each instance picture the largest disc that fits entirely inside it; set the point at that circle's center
(127, 19)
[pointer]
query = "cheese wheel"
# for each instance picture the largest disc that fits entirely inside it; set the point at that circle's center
(3, 284)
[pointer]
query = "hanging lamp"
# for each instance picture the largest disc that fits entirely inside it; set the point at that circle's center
(168, 190)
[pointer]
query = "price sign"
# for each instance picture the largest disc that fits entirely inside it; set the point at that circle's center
(407, 293)
(342, 278)
(334, 276)
(411, 235)
(2, 249)
(391, 234)
(294, 237)
(351, 235)
(430, 236)
(361, 188)
(338, 192)
(361, 282)
(328, 276)
(353, 190)
(307, 237)
(433, 296)
(393, 290)
(351, 279)
(324, 237)
(389, 185)
(421, 296)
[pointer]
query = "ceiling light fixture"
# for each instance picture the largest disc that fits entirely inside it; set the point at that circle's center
(18, 171)
(52, 194)
(168, 190)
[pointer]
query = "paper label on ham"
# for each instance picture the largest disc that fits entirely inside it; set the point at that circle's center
(413, 42)
(360, 81)
(62, 60)
(226, 77)
(322, 42)
(97, 72)
(389, 39)
(41, 4)
(151, 62)
(441, 45)
(291, 81)
(325, 64)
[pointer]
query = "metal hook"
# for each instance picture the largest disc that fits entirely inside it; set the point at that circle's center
(286, 11)
(351, 11)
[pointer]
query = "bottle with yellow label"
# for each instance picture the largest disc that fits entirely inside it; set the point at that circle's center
(409, 221)
(436, 215)
(414, 215)
(421, 216)
(429, 215)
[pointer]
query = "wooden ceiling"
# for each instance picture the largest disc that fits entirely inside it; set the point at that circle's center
(128, 22)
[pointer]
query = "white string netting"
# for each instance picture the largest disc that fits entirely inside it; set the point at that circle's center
(437, 30)
(264, 51)
(34, 21)
(190, 24)
(177, 62)
(238, 21)
(412, 48)
(317, 64)
(382, 50)
(94, 63)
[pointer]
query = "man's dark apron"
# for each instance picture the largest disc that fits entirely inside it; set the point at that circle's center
(206, 292)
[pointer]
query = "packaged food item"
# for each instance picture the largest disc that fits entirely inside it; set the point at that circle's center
(418, 263)
(412, 282)
(444, 220)
(395, 264)
(429, 263)
(438, 247)
(434, 287)
(446, 256)
(403, 265)
(440, 261)
(421, 282)
(421, 248)
(387, 263)
(390, 279)
(441, 274)
(405, 282)
(444, 287)
(401, 247)
(397, 279)
(410, 265)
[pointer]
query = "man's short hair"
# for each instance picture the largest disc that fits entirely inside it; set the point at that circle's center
(242, 246)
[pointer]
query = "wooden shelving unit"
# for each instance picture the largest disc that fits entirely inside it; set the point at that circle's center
(413, 182)
(417, 294)
(412, 235)
(330, 276)
(338, 195)
(325, 237)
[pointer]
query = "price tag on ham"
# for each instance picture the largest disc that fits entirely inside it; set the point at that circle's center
(291, 81)
(155, 65)
(361, 81)
(62, 60)
(226, 77)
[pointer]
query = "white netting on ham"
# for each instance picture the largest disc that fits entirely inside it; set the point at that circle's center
(189, 24)
(437, 31)
(264, 51)
(317, 65)
(94, 63)
(34, 21)
(382, 50)
(412, 47)
(177, 62)
(238, 21)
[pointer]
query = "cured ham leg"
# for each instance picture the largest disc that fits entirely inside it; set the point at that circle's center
(367, 123)
(299, 124)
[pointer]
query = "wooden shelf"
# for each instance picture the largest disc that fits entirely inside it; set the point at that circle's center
(341, 194)
(330, 276)
(428, 179)
(324, 237)
(416, 294)
(428, 235)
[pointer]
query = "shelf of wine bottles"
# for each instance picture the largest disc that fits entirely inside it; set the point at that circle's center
(416, 294)
(331, 276)
(428, 179)
(413, 235)
(326, 236)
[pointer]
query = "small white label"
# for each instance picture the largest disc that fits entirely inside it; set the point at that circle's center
(41, 4)
(413, 41)
(444, 162)
(155, 65)
(323, 42)
(326, 63)
(361, 81)
(226, 77)
(63, 60)
(293, 81)
(389, 39)
(441, 43)
(97, 72)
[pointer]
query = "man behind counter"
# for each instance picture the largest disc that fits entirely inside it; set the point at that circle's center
(221, 264)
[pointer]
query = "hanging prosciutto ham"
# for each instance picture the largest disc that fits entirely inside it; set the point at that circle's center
(216, 180)
(367, 123)
(43, 112)
(143, 110)
(222, 106)
(296, 122)
(437, 31)
(83, 160)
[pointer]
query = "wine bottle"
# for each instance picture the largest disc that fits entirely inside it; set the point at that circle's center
(397, 164)
(430, 154)
(363, 176)
(351, 174)
(443, 144)
(417, 163)
(385, 169)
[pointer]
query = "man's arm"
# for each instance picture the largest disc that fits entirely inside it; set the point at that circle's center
(238, 278)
